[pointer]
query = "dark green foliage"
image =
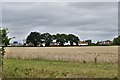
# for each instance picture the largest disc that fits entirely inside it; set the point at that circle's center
(72, 38)
(47, 38)
(61, 38)
(3, 52)
(34, 38)
(116, 41)
(37, 38)
(89, 42)
(4, 38)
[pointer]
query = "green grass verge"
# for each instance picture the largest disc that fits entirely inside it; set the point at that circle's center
(18, 68)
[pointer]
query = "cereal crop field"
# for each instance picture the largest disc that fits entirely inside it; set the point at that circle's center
(88, 54)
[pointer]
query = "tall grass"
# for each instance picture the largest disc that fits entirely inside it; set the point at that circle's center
(18, 68)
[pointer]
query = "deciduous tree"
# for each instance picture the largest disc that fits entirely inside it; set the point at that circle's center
(47, 38)
(73, 39)
(34, 38)
(116, 41)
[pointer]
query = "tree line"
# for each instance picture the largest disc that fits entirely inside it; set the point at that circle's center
(38, 38)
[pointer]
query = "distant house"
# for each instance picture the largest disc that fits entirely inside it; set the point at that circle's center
(15, 43)
(30, 44)
(74, 43)
(54, 43)
(89, 41)
(67, 43)
(83, 43)
(41, 44)
(107, 42)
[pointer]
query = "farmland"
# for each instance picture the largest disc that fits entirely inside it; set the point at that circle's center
(102, 53)
(61, 62)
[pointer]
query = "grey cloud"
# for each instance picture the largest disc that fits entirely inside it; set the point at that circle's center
(80, 18)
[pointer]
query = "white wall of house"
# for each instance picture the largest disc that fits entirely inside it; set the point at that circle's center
(83, 44)
(74, 44)
(43, 44)
(54, 41)
(67, 43)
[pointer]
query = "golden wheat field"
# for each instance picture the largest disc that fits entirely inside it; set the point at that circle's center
(87, 53)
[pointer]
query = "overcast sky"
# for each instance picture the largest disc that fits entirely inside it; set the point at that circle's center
(88, 20)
